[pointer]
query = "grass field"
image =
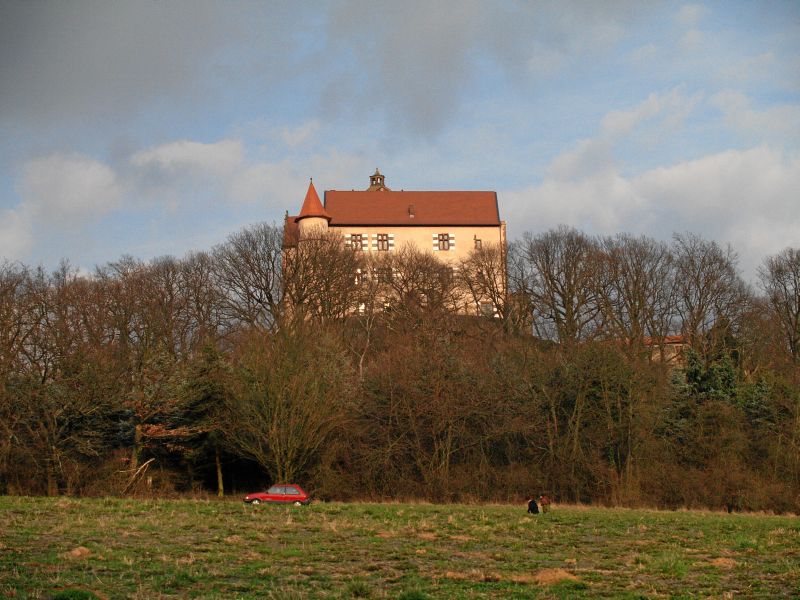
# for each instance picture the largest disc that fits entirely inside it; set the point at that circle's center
(194, 549)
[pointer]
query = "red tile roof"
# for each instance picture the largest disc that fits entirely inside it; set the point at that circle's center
(395, 208)
(312, 207)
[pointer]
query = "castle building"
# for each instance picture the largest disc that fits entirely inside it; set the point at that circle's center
(450, 224)
(378, 219)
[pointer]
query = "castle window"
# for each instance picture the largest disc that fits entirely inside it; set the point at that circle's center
(487, 308)
(383, 241)
(356, 242)
(478, 244)
(444, 241)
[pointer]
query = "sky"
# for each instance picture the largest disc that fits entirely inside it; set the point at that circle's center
(150, 128)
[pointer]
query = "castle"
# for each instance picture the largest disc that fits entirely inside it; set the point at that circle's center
(450, 224)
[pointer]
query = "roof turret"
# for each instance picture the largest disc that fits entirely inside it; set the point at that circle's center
(312, 207)
(376, 182)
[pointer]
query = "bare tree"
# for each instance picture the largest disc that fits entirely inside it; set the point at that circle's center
(780, 280)
(710, 293)
(204, 299)
(146, 312)
(20, 318)
(483, 275)
(638, 297)
(417, 282)
(563, 270)
(247, 268)
(18, 314)
(321, 278)
(61, 387)
(294, 395)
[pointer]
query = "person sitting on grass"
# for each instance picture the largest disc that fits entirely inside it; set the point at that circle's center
(533, 508)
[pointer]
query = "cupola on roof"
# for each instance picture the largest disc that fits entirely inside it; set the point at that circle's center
(376, 183)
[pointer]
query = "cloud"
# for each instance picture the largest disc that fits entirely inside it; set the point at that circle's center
(743, 197)
(749, 69)
(188, 157)
(672, 106)
(187, 171)
(66, 190)
(780, 122)
(301, 134)
(690, 15)
(588, 158)
(643, 54)
(68, 201)
(408, 65)
(105, 58)
(60, 195)
(416, 61)
(16, 235)
(692, 40)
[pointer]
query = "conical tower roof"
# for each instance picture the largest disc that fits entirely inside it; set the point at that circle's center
(312, 207)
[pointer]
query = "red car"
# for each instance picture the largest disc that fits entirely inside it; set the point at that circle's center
(282, 494)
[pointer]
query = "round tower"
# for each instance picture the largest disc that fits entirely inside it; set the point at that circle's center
(313, 219)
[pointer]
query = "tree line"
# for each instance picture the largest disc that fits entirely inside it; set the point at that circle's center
(541, 367)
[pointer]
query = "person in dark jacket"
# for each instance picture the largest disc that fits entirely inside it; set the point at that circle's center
(533, 508)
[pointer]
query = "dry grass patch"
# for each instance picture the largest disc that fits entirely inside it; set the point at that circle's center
(723, 562)
(543, 577)
(462, 538)
(476, 575)
(77, 553)
(551, 576)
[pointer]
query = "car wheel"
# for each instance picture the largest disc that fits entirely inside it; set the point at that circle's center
(298, 503)
(256, 501)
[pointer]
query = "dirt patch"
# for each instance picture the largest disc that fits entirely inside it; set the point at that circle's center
(463, 538)
(425, 535)
(77, 553)
(723, 563)
(551, 576)
(385, 534)
(233, 539)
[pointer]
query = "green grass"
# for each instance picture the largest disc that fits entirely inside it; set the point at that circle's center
(112, 548)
